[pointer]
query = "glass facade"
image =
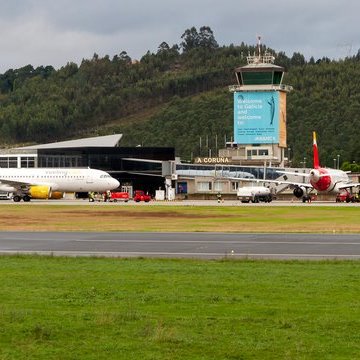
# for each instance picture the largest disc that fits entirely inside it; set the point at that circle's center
(23, 161)
(8, 162)
(108, 159)
(234, 170)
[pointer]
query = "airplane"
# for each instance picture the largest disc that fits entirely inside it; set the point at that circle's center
(47, 183)
(323, 180)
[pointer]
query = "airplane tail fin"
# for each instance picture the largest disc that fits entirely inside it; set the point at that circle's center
(316, 152)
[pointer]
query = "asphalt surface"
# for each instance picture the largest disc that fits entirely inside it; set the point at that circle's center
(183, 245)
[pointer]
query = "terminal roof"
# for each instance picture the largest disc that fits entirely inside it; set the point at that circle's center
(97, 141)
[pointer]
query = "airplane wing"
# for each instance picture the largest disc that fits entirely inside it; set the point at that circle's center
(277, 182)
(348, 186)
(20, 185)
(15, 184)
(293, 173)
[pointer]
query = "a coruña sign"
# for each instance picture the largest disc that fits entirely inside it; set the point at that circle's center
(212, 160)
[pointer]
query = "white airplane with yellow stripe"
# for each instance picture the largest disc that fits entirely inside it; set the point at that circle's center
(47, 183)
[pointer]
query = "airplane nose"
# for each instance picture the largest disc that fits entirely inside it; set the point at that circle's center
(114, 183)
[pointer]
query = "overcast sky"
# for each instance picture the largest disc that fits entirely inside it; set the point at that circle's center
(54, 32)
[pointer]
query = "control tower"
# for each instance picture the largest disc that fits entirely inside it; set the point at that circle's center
(259, 112)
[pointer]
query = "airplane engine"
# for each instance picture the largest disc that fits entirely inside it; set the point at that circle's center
(315, 175)
(56, 195)
(299, 191)
(40, 192)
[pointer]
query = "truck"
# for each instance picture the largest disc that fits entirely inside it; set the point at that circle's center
(254, 194)
(111, 196)
(139, 195)
(116, 196)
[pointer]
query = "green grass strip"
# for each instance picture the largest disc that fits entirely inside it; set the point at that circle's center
(97, 308)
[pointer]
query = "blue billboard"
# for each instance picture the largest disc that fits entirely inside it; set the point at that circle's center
(256, 117)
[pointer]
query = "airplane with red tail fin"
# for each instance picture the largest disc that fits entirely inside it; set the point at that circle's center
(323, 180)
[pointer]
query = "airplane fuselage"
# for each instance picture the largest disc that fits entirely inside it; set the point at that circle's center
(57, 179)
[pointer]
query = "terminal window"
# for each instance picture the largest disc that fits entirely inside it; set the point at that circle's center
(218, 186)
(8, 162)
(27, 162)
(257, 152)
(204, 186)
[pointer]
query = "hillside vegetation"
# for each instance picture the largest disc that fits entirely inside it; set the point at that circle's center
(179, 97)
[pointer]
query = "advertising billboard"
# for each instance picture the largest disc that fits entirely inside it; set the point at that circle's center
(257, 117)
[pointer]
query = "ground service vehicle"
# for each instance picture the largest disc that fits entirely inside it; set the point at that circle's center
(6, 195)
(116, 196)
(96, 196)
(139, 195)
(254, 194)
(347, 197)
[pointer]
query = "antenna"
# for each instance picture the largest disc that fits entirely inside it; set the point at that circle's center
(259, 45)
(258, 58)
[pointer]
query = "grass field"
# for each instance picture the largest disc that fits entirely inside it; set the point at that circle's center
(319, 219)
(86, 308)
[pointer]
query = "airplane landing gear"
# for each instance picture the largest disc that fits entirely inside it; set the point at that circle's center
(25, 198)
(306, 198)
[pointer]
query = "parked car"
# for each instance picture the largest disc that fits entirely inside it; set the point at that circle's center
(140, 195)
(6, 195)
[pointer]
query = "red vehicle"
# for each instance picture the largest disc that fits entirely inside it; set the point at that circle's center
(139, 195)
(116, 196)
(347, 197)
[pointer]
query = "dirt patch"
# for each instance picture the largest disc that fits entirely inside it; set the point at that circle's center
(141, 214)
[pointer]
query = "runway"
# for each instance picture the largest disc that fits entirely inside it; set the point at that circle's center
(183, 245)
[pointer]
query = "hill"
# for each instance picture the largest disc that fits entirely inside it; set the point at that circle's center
(179, 97)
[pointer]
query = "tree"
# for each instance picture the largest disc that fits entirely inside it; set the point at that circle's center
(202, 39)
(297, 59)
(190, 39)
(206, 38)
(163, 47)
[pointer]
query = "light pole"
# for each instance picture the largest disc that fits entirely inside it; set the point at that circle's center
(334, 163)
(338, 161)
(304, 162)
(289, 156)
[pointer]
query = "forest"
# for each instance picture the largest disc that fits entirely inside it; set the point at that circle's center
(179, 97)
